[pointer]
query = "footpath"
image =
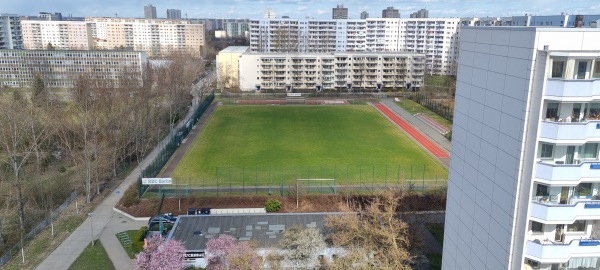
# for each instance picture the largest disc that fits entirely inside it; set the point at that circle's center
(105, 223)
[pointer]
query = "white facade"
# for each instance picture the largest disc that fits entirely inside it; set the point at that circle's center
(62, 35)
(340, 71)
(436, 38)
(524, 180)
(10, 32)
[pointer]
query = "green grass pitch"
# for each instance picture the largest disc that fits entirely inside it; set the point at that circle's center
(274, 145)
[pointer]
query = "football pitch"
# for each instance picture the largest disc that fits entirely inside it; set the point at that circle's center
(274, 145)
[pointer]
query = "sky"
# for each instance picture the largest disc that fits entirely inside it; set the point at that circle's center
(318, 9)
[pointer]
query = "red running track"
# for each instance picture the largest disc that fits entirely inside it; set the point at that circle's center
(431, 147)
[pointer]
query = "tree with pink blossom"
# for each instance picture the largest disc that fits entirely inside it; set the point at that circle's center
(161, 255)
(224, 252)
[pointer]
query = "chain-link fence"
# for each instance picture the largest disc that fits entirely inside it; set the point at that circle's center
(282, 180)
(171, 143)
(36, 230)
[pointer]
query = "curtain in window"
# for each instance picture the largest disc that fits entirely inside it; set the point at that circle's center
(582, 262)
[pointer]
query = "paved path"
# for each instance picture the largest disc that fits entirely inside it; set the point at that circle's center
(189, 140)
(425, 129)
(432, 123)
(106, 223)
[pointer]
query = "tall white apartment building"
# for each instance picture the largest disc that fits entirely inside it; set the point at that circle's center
(338, 71)
(157, 37)
(10, 32)
(60, 68)
(524, 183)
(436, 38)
(62, 35)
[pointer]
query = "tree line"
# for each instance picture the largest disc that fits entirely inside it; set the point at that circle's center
(53, 142)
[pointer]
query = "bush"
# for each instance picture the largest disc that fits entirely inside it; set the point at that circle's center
(273, 205)
(130, 197)
(137, 243)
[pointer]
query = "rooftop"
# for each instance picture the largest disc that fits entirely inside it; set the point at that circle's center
(235, 49)
(266, 229)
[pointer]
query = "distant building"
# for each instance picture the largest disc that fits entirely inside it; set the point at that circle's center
(390, 12)
(339, 12)
(56, 16)
(174, 14)
(150, 12)
(269, 13)
(235, 27)
(437, 38)
(61, 68)
(364, 15)
(422, 13)
(10, 32)
(61, 35)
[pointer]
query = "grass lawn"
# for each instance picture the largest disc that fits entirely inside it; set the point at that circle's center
(271, 145)
(93, 257)
(414, 108)
(129, 249)
(438, 80)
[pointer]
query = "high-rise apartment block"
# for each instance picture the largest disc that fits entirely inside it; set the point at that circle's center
(269, 13)
(364, 15)
(10, 32)
(56, 16)
(436, 38)
(422, 13)
(60, 68)
(156, 37)
(173, 14)
(390, 12)
(524, 180)
(150, 12)
(339, 12)
(563, 20)
(61, 35)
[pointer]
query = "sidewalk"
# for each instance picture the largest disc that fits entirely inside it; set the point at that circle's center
(106, 223)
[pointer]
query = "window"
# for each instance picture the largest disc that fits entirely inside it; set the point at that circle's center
(552, 111)
(584, 189)
(577, 226)
(537, 227)
(590, 150)
(547, 150)
(596, 73)
(581, 70)
(541, 190)
(558, 68)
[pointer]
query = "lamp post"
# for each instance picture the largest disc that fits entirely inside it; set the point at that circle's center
(91, 214)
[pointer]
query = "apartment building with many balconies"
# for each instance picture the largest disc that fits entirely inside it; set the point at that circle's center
(60, 68)
(436, 38)
(61, 35)
(337, 71)
(524, 182)
(10, 32)
(157, 37)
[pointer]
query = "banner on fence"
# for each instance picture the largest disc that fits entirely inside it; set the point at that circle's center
(157, 181)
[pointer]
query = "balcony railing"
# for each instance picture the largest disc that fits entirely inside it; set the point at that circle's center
(567, 174)
(552, 213)
(560, 89)
(549, 252)
(570, 131)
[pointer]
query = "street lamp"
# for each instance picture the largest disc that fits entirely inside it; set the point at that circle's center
(91, 214)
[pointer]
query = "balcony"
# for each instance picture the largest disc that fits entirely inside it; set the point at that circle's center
(572, 132)
(549, 252)
(567, 174)
(572, 90)
(551, 213)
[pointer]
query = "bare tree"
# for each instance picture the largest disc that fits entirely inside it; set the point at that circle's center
(374, 229)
